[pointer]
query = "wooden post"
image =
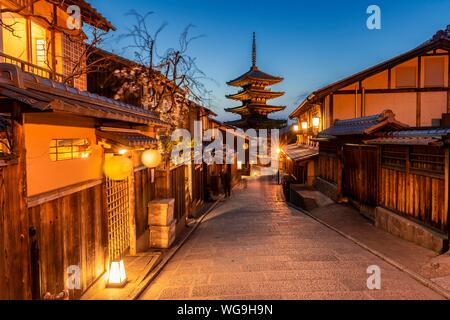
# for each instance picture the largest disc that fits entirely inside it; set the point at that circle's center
(447, 188)
(419, 94)
(340, 175)
(132, 198)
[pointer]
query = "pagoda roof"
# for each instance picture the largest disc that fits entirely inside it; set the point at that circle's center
(258, 123)
(251, 108)
(248, 94)
(252, 76)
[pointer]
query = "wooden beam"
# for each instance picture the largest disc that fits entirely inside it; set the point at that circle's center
(419, 94)
(394, 90)
(447, 188)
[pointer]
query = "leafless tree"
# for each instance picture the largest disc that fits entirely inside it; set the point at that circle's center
(169, 80)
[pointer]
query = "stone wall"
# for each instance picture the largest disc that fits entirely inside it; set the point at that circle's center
(410, 230)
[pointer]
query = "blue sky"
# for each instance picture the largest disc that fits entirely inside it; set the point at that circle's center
(309, 43)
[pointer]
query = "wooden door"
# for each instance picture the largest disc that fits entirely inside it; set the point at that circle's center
(361, 174)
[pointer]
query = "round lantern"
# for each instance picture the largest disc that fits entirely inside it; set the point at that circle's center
(117, 168)
(151, 158)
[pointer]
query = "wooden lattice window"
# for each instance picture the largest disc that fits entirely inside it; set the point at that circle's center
(394, 157)
(427, 160)
(118, 208)
(69, 149)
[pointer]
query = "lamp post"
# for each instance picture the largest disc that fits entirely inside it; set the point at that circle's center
(278, 173)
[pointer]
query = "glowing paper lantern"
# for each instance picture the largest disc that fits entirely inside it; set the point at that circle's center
(296, 128)
(117, 168)
(151, 158)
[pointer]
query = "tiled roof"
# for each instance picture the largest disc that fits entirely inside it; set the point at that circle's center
(362, 126)
(47, 95)
(252, 75)
(127, 138)
(298, 152)
(422, 136)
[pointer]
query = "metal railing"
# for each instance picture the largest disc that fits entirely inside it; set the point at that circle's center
(31, 68)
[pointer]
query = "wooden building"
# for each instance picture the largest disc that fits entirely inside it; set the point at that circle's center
(53, 187)
(397, 176)
(414, 85)
(254, 95)
(61, 219)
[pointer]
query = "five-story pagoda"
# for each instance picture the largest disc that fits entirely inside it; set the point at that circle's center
(254, 96)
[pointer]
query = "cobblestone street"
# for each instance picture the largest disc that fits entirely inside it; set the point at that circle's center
(254, 246)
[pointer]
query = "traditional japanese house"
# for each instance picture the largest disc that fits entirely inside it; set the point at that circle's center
(414, 85)
(186, 183)
(397, 176)
(236, 169)
(52, 182)
(413, 185)
(254, 96)
(61, 220)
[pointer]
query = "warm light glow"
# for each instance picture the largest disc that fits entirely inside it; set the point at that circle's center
(117, 168)
(246, 146)
(316, 122)
(151, 158)
(278, 150)
(296, 128)
(255, 174)
(305, 125)
(117, 275)
(123, 151)
(239, 165)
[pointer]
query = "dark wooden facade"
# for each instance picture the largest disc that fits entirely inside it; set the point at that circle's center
(15, 280)
(71, 231)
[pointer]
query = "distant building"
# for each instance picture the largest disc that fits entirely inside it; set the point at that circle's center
(254, 95)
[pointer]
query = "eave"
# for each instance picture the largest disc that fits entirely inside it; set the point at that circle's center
(250, 94)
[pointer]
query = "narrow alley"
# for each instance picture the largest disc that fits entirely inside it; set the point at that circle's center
(256, 247)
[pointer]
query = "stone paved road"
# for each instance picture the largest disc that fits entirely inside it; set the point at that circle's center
(255, 247)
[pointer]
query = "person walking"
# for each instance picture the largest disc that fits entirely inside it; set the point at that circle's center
(226, 181)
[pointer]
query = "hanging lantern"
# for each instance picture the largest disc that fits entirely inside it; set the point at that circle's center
(151, 158)
(239, 165)
(117, 275)
(246, 146)
(117, 168)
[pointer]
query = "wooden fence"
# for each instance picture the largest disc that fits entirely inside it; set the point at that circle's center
(413, 183)
(144, 192)
(71, 231)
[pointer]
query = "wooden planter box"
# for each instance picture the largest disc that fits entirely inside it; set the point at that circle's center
(162, 237)
(160, 212)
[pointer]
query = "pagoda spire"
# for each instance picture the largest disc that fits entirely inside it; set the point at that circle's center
(254, 51)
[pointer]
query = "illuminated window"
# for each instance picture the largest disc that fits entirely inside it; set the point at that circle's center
(69, 149)
(41, 48)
